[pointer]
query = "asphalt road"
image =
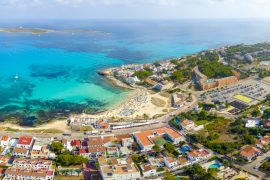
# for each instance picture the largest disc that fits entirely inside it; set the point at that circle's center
(250, 166)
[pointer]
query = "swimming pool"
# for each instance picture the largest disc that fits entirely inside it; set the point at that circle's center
(177, 121)
(184, 149)
(214, 166)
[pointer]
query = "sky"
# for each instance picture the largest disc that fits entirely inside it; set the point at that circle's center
(134, 9)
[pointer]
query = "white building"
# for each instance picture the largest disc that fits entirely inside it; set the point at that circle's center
(132, 80)
(145, 138)
(187, 125)
(122, 168)
(29, 169)
(4, 140)
(25, 142)
(148, 170)
(170, 162)
(252, 122)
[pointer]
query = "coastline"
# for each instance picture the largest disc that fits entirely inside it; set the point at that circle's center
(56, 125)
(107, 75)
(117, 83)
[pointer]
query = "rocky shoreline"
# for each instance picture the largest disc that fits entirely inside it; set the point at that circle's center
(107, 74)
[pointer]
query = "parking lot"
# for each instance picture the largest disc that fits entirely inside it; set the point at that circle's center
(253, 90)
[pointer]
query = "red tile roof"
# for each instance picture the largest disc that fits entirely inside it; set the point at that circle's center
(4, 138)
(249, 151)
(2, 170)
(95, 141)
(103, 124)
(93, 150)
(20, 150)
(145, 141)
(82, 151)
(122, 136)
(25, 140)
(76, 143)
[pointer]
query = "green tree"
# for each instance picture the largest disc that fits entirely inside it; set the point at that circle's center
(248, 139)
(266, 113)
(203, 115)
(57, 147)
(181, 143)
(156, 148)
(170, 148)
(212, 171)
(195, 169)
(169, 176)
(143, 74)
(197, 172)
(256, 112)
(181, 75)
(68, 160)
(97, 164)
(136, 158)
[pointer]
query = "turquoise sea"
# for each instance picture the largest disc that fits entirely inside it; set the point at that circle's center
(55, 73)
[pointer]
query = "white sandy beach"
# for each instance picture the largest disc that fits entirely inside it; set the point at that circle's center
(60, 125)
(141, 104)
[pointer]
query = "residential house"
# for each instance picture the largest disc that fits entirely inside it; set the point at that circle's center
(249, 153)
(183, 161)
(67, 144)
(30, 169)
(125, 140)
(198, 155)
(132, 80)
(25, 142)
(170, 162)
(124, 151)
(263, 142)
(4, 160)
(93, 147)
(4, 140)
(40, 148)
(35, 164)
(158, 161)
(40, 152)
(113, 151)
(252, 122)
(92, 152)
(187, 125)
(109, 141)
(75, 144)
(145, 139)
(121, 168)
(21, 152)
(148, 170)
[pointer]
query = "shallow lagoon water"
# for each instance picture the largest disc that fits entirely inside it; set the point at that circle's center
(37, 71)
